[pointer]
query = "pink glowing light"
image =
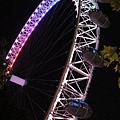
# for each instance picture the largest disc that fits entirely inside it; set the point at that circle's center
(28, 28)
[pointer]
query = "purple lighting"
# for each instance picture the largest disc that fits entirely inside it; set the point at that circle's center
(28, 28)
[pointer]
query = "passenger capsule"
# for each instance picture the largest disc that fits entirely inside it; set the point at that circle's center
(93, 57)
(99, 18)
(79, 109)
(101, 1)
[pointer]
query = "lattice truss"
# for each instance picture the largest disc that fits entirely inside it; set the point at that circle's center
(77, 75)
(28, 28)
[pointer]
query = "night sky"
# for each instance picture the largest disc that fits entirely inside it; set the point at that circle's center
(104, 94)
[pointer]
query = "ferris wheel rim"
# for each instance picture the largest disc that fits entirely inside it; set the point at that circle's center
(96, 46)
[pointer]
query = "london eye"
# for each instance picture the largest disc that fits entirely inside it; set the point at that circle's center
(51, 63)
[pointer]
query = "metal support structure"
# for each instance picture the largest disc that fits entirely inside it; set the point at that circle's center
(77, 75)
(76, 69)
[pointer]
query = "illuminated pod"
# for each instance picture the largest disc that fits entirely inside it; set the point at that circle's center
(79, 108)
(99, 18)
(92, 56)
(101, 1)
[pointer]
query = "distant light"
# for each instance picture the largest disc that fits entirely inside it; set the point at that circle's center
(93, 50)
(75, 104)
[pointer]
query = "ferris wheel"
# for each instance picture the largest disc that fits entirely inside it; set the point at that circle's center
(56, 50)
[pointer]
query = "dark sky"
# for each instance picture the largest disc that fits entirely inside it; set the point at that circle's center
(104, 95)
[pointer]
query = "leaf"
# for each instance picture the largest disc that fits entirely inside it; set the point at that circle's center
(107, 55)
(105, 50)
(106, 63)
(118, 53)
(117, 68)
(119, 82)
(108, 51)
(115, 4)
(114, 57)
